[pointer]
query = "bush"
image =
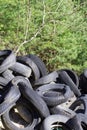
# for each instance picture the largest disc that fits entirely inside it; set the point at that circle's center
(54, 30)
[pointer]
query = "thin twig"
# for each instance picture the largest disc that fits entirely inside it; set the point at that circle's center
(24, 24)
(28, 19)
(27, 41)
(44, 13)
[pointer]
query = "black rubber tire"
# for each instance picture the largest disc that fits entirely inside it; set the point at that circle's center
(83, 83)
(27, 61)
(26, 110)
(67, 80)
(51, 77)
(74, 123)
(55, 100)
(8, 75)
(22, 79)
(78, 102)
(7, 59)
(72, 75)
(85, 73)
(63, 111)
(40, 64)
(82, 118)
(47, 123)
(32, 96)
(3, 81)
(36, 100)
(3, 86)
(13, 94)
(21, 69)
(10, 126)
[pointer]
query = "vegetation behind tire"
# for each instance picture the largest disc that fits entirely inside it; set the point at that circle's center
(55, 30)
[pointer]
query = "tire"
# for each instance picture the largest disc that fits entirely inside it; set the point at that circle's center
(32, 96)
(21, 69)
(8, 75)
(27, 61)
(54, 100)
(19, 79)
(51, 77)
(7, 59)
(3, 81)
(3, 87)
(78, 102)
(63, 111)
(85, 73)
(36, 100)
(47, 123)
(74, 123)
(12, 95)
(40, 64)
(72, 75)
(67, 80)
(83, 83)
(10, 126)
(82, 119)
(26, 110)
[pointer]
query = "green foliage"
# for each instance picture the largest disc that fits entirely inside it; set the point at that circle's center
(62, 36)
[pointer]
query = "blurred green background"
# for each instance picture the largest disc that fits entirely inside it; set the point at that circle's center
(55, 30)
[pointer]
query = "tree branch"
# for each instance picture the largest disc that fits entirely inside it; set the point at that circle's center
(38, 31)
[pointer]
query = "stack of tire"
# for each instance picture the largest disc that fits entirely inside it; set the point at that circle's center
(31, 98)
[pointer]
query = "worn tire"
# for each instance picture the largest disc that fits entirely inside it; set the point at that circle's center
(10, 98)
(51, 77)
(47, 123)
(27, 61)
(21, 69)
(67, 80)
(32, 96)
(10, 126)
(40, 64)
(7, 59)
(55, 100)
